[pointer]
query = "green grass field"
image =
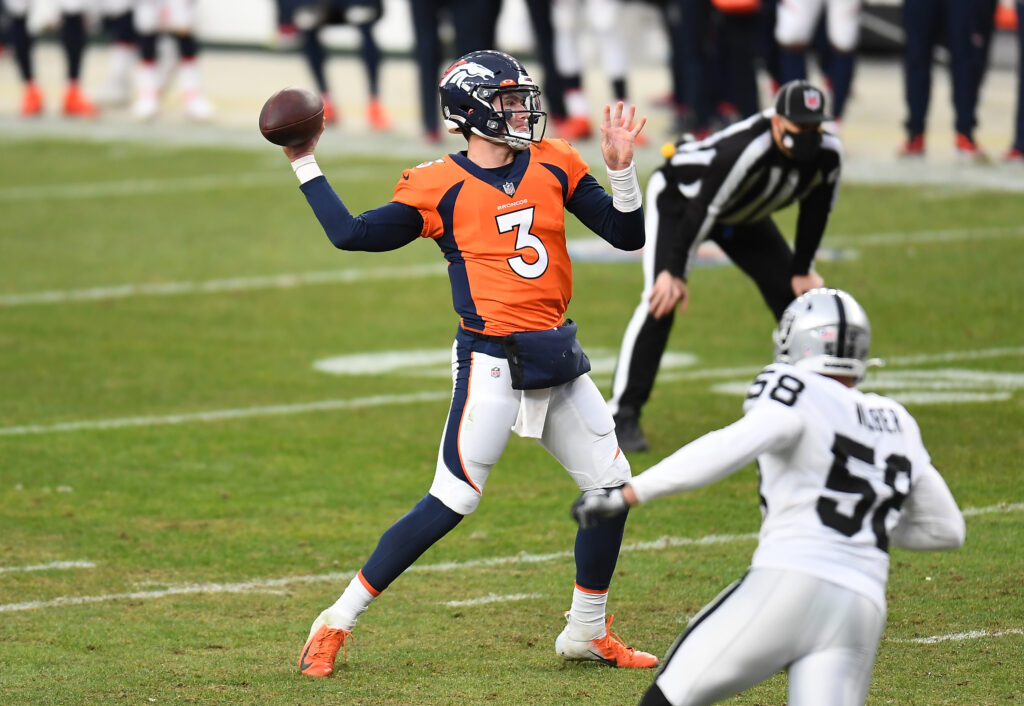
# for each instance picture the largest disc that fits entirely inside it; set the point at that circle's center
(164, 431)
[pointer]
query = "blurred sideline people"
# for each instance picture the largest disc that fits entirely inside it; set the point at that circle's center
(967, 27)
(72, 38)
(796, 22)
(124, 52)
(724, 189)
(570, 18)
(715, 48)
(842, 476)
(4, 30)
(176, 17)
(738, 23)
(1016, 152)
(474, 22)
(544, 43)
(309, 17)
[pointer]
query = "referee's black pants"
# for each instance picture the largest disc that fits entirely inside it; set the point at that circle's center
(757, 248)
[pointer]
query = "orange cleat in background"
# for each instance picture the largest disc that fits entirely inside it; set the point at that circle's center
(77, 105)
(31, 101)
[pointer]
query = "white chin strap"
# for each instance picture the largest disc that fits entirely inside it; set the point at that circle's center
(512, 141)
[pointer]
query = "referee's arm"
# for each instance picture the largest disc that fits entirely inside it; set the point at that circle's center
(811, 222)
(669, 289)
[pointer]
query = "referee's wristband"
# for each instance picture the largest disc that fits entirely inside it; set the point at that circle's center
(626, 196)
(306, 168)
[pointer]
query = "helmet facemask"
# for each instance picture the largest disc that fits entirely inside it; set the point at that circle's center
(515, 115)
(489, 94)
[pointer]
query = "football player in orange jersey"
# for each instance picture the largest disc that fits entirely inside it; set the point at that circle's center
(497, 212)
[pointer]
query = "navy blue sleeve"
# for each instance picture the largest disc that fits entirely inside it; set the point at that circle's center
(593, 206)
(386, 227)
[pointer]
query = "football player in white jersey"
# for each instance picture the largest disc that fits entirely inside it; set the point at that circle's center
(177, 17)
(843, 475)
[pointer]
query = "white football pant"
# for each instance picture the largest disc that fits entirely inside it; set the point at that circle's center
(603, 17)
(796, 21)
(771, 620)
(578, 431)
(152, 16)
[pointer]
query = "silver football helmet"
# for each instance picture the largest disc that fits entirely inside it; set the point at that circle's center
(825, 331)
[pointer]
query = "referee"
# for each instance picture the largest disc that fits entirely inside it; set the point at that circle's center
(725, 188)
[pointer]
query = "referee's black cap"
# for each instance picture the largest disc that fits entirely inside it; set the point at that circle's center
(801, 102)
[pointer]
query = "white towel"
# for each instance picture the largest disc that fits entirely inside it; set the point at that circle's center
(533, 410)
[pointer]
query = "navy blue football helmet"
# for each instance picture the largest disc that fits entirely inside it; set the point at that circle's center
(470, 87)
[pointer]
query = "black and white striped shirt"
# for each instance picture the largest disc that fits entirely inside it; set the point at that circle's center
(739, 175)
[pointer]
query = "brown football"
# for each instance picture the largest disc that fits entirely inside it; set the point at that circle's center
(291, 116)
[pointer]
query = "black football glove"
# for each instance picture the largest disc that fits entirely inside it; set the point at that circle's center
(592, 505)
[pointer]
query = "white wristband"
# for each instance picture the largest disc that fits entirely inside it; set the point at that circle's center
(306, 168)
(626, 195)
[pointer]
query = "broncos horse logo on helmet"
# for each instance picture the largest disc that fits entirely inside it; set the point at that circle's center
(470, 88)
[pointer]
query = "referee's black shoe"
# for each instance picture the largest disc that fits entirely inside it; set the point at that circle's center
(629, 434)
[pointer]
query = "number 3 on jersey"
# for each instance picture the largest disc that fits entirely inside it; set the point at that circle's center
(520, 222)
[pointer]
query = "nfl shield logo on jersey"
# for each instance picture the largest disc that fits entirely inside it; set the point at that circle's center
(812, 99)
(495, 372)
(509, 188)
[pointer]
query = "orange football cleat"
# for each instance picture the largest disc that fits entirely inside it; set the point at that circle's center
(969, 150)
(77, 105)
(377, 116)
(609, 649)
(31, 101)
(321, 650)
(913, 147)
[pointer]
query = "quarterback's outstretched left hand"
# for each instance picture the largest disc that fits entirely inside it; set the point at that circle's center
(592, 505)
(618, 135)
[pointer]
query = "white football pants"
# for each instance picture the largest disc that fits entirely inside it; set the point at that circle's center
(578, 431)
(152, 16)
(771, 620)
(797, 19)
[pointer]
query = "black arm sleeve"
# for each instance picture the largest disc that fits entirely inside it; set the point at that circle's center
(810, 225)
(697, 212)
(593, 206)
(386, 227)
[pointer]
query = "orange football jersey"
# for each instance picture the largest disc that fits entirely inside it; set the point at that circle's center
(503, 237)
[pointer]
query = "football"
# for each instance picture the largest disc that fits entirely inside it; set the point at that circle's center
(291, 116)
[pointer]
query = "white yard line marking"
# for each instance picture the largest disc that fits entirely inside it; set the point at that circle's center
(302, 279)
(234, 284)
(991, 509)
(492, 598)
(344, 576)
(173, 185)
(946, 357)
(428, 396)
(76, 564)
(957, 636)
(950, 356)
(924, 236)
(226, 414)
